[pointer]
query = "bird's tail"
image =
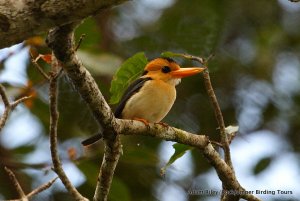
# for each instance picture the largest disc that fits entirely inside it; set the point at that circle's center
(92, 140)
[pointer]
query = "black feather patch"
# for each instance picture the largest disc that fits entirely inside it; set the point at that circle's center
(169, 59)
(132, 89)
(92, 139)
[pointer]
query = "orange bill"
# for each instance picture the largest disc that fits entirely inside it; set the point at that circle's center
(185, 72)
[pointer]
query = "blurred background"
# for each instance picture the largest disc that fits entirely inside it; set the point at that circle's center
(255, 73)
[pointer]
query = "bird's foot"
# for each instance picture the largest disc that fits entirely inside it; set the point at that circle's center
(162, 124)
(144, 121)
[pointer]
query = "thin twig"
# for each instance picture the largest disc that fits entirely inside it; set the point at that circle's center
(20, 191)
(16, 183)
(57, 165)
(8, 106)
(80, 41)
(4, 96)
(38, 67)
(41, 188)
(20, 100)
(4, 117)
(217, 143)
(219, 116)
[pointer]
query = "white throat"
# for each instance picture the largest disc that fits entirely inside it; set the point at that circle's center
(174, 81)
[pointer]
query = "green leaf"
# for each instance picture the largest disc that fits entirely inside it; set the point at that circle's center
(24, 149)
(180, 150)
(262, 165)
(130, 70)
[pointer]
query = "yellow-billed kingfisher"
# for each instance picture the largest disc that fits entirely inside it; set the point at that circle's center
(151, 96)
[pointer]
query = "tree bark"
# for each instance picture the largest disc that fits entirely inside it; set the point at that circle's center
(21, 19)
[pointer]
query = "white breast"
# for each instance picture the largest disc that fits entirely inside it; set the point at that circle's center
(152, 102)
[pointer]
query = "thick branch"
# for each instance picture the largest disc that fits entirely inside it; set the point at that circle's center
(112, 152)
(224, 171)
(20, 20)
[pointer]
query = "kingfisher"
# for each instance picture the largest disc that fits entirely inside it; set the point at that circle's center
(150, 97)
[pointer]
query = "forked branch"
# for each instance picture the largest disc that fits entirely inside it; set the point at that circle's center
(22, 195)
(8, 106)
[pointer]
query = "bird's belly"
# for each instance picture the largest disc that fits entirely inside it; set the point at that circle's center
(151, 103)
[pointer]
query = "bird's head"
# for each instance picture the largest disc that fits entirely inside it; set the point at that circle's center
(167, 70)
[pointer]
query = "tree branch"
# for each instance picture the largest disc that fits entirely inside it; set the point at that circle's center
(61, 40)
(27, 18)
(8, 106)
(215, 104)
(202, 142)
(219, 117)
(57, 166)
(41, 188)
(20, 190)
(38, 67)
(16, 184)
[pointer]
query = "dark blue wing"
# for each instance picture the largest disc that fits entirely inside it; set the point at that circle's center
(132, 89)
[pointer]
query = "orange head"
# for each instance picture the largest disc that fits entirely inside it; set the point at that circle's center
(168, 70)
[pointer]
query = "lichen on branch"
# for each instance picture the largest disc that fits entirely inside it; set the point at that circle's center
(20, 20)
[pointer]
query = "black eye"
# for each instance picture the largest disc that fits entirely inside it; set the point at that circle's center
(166, 69)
